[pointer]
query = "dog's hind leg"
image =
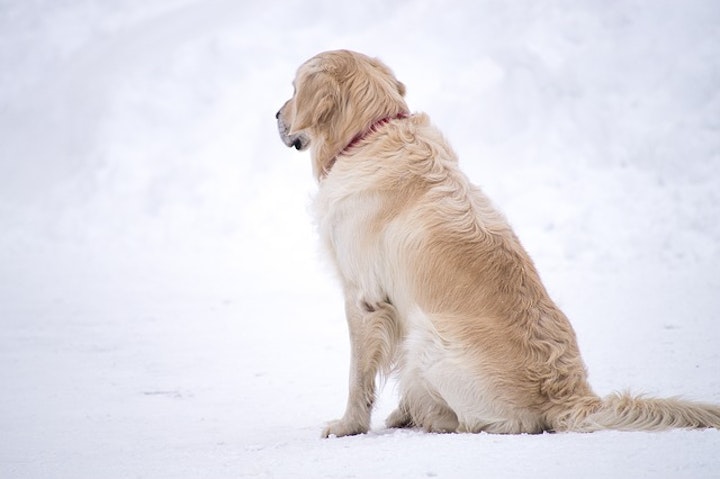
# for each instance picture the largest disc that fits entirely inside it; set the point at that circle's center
(399, 418)
(374, 334)
(420, 407)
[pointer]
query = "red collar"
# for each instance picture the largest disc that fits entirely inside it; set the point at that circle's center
(361, 136)
(373, 128)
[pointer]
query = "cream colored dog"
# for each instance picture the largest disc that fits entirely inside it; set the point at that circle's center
(437, 287)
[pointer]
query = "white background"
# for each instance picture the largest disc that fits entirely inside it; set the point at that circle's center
(164, 311)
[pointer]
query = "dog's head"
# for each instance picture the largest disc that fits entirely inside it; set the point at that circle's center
(338, 94)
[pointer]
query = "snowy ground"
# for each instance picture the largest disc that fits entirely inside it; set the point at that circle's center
(164, 313)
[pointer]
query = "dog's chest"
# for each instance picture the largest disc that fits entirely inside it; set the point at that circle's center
(352, 235)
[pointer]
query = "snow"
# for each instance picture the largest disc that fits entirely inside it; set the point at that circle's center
(163, 306)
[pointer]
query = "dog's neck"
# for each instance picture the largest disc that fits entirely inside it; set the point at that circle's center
(359, 137)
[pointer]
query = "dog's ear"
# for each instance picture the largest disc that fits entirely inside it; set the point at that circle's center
(316, 101)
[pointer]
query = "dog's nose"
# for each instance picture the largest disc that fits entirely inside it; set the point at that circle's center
(277, 115)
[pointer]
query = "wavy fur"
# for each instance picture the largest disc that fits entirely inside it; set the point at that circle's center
(438, 288)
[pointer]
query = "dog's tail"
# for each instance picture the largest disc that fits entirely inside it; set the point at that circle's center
(625, 412)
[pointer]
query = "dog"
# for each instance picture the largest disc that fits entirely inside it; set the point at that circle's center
(438, 289)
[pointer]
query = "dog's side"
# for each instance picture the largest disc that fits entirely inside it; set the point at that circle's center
(438, 289)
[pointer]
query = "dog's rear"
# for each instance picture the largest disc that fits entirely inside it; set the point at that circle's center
(437, 286)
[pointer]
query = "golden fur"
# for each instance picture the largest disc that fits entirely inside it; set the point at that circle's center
(438, 289)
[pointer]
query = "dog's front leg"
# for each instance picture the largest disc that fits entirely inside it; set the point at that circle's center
(373, 336)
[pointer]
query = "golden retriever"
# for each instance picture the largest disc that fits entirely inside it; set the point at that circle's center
(438, 289)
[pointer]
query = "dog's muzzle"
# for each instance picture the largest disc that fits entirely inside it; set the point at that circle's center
(298, 141)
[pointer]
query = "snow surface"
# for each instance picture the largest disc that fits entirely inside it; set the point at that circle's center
(164, 311)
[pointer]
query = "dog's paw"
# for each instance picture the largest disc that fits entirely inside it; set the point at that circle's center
(399, 418)
(442, 422)
(342, 428)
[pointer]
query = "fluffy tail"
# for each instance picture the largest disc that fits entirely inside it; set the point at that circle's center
(638, 413)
